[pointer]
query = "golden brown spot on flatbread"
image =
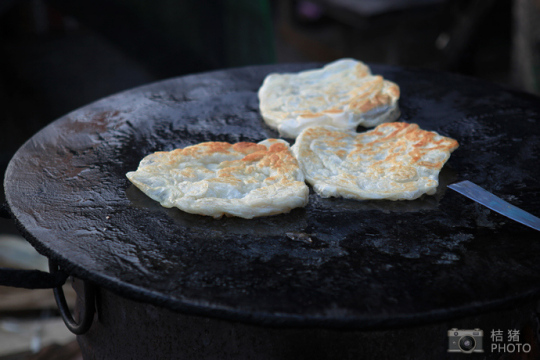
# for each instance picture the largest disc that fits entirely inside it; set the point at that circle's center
(248, 147)
(361, 70)
(333, 111)
(254, 156)
(309, 114)
(278, 147)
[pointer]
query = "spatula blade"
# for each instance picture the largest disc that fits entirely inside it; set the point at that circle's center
(495, 203)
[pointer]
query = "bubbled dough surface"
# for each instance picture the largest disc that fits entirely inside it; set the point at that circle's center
(395, 161)
(343, 94)
(217, 178)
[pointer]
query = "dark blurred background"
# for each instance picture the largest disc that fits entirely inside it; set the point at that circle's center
(58, 55)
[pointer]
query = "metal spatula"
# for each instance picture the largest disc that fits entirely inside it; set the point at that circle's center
(484, 197)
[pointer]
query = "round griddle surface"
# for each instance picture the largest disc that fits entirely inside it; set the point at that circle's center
(335, 263)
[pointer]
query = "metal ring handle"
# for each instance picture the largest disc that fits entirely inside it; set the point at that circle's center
(88, 311)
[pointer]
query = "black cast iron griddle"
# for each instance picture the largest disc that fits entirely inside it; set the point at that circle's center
(336, 263)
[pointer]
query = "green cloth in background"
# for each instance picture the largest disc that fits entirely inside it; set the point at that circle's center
(217, 34)
(249, 32)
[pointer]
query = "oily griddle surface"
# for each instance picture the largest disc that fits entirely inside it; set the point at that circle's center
(336, 263)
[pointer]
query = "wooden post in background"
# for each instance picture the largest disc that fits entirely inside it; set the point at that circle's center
(526, 45)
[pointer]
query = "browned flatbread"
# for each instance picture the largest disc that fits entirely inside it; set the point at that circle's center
(395, 161)
(217, 178)
(343, 94)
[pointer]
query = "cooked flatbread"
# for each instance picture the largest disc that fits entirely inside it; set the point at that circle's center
(395, 161)
(217, 178)
(343, 94)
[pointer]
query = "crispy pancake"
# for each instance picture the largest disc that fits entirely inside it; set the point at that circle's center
(395, 161)
(217, 178)
(343, 94)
